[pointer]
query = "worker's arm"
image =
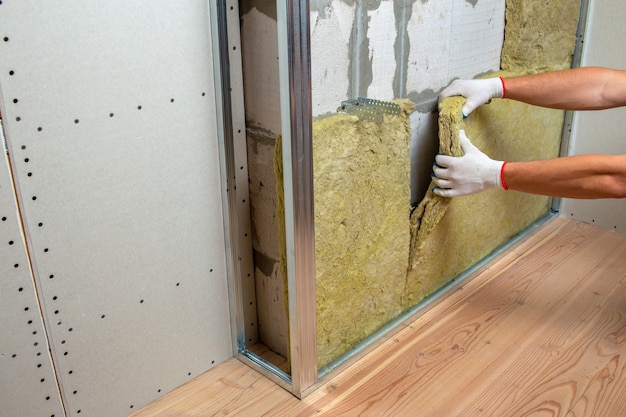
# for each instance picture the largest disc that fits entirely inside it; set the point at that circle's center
(582, 176)
(588, 88)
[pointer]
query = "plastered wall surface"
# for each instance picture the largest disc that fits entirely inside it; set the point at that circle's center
(392, 49)
(600, 131)
(111, 123)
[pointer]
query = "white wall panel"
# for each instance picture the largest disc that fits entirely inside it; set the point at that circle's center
(111, 123)
(600, 131)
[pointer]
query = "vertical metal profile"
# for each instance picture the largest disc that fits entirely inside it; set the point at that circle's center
(233, 170)
(295, 98)
(217, 15)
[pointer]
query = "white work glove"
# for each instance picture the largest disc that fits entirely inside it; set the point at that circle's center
(477, 92)
(468, 174)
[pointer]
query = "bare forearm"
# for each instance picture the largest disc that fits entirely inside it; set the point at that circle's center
(582, 176)
(588, 88)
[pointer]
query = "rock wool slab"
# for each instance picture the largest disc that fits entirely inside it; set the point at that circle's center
(362, 235)
(540, 35)
(448, 236)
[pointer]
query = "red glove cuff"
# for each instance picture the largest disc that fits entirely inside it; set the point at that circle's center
(503, 90)
(502, 176)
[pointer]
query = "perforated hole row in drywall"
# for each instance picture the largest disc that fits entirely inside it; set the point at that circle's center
(63, 327)
(28, 375)
(114, 147)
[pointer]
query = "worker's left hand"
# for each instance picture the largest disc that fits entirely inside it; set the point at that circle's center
(468, 174)
(477, 92)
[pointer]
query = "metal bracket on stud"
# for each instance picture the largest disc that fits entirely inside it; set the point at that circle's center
(369, 109)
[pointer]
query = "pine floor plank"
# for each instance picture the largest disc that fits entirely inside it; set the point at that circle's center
(541, 331)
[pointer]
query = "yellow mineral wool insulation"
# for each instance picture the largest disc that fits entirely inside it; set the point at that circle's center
(539, 35)
(362, 237)
(448, 236)
(280, 213)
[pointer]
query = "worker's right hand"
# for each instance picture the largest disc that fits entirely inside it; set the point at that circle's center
(468, 174)
(477, 92)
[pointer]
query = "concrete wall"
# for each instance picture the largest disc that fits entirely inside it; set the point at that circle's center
(399, 49)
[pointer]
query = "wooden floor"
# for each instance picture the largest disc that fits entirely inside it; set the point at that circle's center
(540, 332)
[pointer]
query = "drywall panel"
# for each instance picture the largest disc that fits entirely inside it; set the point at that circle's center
(600, 131)
(27, 379)
(110, 119)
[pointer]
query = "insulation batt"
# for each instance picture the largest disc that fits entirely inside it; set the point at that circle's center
(362, 236)
(539, 35)
(361, 176)
(448, 236)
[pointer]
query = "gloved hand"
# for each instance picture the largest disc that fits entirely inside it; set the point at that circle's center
(468, 174)
(477, 92)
